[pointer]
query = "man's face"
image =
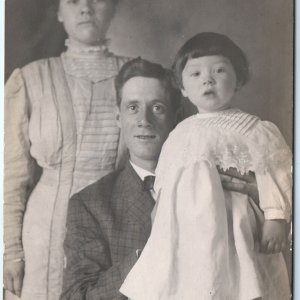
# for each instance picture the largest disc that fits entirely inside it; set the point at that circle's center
(146, 117)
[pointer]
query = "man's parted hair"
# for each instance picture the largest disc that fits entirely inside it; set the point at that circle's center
(208, 44)
(139, 67)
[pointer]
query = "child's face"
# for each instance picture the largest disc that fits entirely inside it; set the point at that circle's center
(86, 21)
(209, 82)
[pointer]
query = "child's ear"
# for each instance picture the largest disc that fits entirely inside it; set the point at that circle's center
(59, 17)
(183, 92)
(117, 115)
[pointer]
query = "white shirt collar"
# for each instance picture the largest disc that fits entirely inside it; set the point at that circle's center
(142, 173)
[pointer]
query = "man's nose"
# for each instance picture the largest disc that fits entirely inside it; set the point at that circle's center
(145, 118)
(86, 7)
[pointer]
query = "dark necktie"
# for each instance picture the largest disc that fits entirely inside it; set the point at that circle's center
(149, 183)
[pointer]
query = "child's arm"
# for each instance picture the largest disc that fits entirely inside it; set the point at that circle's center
(275, 190)
(274, 236)
(274, 231)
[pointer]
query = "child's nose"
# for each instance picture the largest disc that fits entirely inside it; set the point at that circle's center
(208, 79)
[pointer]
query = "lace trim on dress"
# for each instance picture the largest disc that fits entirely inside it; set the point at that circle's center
(92, 63)
(74, 47)
(228, 139)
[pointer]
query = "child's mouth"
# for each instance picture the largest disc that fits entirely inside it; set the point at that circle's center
(209, 93)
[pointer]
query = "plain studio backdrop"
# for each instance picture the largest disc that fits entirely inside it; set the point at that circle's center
(155, 29)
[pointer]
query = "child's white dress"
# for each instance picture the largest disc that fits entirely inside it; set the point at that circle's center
(204, 240)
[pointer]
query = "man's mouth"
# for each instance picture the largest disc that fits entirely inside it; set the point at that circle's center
(87, 22)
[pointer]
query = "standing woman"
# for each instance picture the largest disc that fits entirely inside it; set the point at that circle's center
(59, 117)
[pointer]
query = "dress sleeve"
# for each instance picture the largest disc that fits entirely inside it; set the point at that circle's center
(275, 184)
(19, 167)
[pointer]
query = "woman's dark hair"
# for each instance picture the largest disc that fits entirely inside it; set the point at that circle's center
(139, 67)
(207, 44)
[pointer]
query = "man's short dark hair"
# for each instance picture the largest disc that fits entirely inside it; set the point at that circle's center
(207, 44)
(139, 67)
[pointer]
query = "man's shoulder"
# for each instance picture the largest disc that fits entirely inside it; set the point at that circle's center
(96, 200)
(101, 189)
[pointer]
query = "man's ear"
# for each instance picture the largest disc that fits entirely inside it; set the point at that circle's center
(178, 116)
(238, 86)
(118, 116)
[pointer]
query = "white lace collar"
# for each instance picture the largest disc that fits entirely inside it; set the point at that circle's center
(75, 48)
(93, 63)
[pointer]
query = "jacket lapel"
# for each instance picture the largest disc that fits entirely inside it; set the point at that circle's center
(136, 201)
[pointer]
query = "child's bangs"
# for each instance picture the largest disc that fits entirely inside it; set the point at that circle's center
(207, 51)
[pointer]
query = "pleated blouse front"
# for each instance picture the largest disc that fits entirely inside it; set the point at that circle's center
(94, 103)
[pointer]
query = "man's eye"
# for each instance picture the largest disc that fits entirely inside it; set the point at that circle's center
(72, 1)
(220, 70)
(158, 108)
(132, 108)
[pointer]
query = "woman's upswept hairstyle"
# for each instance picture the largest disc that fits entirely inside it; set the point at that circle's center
(207, 44)
(139, 67)
(55, 3)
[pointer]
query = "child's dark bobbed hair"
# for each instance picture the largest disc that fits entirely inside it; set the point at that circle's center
(208, 44)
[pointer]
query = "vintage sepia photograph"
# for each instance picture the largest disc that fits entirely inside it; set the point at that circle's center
(148, 150)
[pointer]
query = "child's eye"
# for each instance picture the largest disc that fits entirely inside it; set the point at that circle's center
(195, 74)
(72, 1)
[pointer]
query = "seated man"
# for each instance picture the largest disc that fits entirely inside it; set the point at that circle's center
(109, 221)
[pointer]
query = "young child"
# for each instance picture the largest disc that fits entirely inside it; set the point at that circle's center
(207, 243)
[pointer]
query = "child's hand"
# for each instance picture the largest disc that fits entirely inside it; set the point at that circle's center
(274, 236)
